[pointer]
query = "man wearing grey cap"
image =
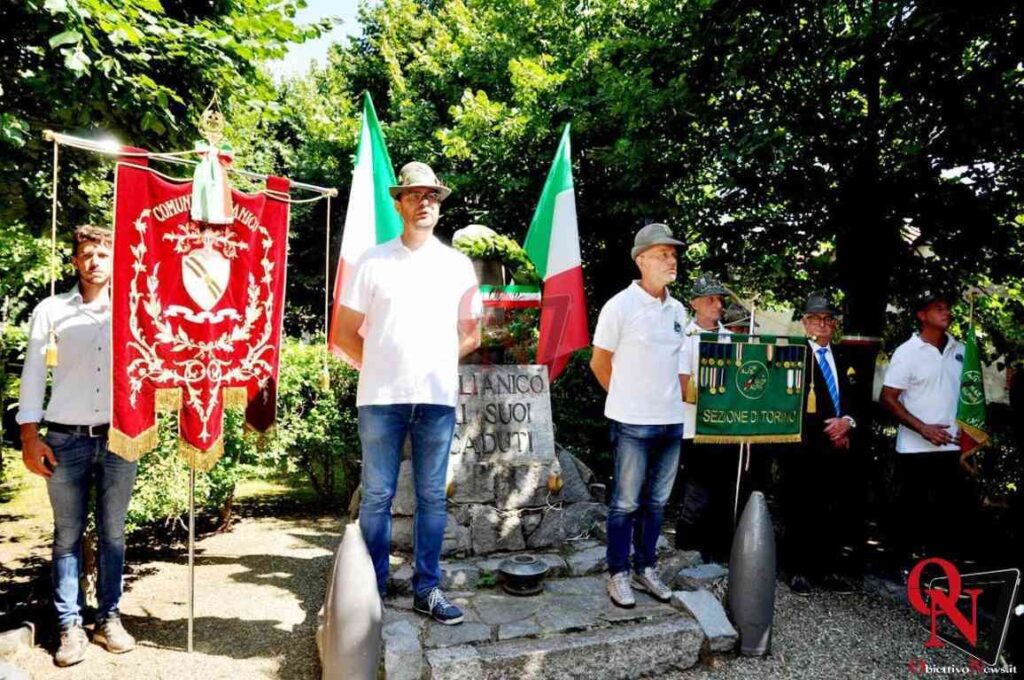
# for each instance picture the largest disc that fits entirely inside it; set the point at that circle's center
(636, 359)
(418, 303)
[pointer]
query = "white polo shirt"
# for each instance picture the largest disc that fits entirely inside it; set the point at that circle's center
(930, 384)
(645, 336)
(413, 301)
(689, 363)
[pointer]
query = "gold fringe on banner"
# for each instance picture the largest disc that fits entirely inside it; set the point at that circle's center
(201, 460)
(269, 432)
(236, 398)
(132, 448)
(168, 400)
(752, 439)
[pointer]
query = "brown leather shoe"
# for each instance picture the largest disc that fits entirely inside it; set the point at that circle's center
(73, 642)
(112, 636)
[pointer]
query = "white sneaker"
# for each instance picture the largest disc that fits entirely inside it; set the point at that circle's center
(650, 582)
(620, 591)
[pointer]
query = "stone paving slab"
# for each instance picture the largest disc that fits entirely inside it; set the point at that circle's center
(711, 616)
(656, 647)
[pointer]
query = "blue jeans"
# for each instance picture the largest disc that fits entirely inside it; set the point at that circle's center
(646, 459)
(382, 432)
(81, 463)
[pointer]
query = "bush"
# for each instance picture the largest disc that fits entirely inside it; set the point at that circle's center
(316, 435)
(317, 430)
(161, 489)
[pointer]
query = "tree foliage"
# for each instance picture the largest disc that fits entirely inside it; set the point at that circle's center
(140, 71)
(869, 147)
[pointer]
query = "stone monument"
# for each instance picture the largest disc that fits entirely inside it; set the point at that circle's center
(510, 487)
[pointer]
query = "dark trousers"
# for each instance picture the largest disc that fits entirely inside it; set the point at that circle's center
(821, 499)
(705, 499)
(934, 506)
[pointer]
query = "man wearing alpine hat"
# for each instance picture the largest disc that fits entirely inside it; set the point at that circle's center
(419, 303)
(636, 359)
(705, 499)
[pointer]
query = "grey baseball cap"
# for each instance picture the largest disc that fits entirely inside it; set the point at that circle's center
(707, 284)
(654, 234)
(416, 174)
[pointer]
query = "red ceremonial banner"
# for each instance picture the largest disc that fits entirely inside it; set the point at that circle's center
(196, 313)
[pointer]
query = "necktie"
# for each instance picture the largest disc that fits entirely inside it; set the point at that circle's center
(830, 379)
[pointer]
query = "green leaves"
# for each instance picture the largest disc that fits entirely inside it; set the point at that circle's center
(65, 38)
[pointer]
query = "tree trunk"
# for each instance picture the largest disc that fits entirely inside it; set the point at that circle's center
(867, 243)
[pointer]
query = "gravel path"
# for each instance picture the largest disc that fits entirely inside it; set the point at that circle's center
(831, 636)
(258, 589)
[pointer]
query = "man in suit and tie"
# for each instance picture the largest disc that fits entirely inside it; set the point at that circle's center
(819, 494)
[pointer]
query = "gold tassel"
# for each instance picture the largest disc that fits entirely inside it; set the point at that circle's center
(812, 399)
(51, 350)
(691, 391)
(555, 482)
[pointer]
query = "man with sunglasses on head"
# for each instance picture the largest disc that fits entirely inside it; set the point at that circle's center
(73, 456)
(819, 496)
(636, 359)
(409, 315)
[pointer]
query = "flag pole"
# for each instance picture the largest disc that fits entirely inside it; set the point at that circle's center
(740, 465)
(191, 547)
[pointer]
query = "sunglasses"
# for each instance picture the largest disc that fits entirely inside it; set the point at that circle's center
(417, 196)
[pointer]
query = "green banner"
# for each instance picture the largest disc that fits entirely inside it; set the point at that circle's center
(750, 388)
(970, 412)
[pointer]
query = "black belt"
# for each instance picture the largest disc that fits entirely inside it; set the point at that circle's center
(79, 430)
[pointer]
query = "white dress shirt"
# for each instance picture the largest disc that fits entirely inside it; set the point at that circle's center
(828, 357)
(81, 380)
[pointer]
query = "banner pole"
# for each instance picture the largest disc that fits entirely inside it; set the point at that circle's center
(191, 549)
(740, 465)
(736, 497)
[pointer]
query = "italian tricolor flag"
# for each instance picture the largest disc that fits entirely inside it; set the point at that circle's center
(553, 243)
(970, 411)
(371, 216)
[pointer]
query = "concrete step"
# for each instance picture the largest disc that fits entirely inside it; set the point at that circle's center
(626, 651)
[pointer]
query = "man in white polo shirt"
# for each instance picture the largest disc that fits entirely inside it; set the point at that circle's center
(418, 304)
(636, 359)
(921, 389)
